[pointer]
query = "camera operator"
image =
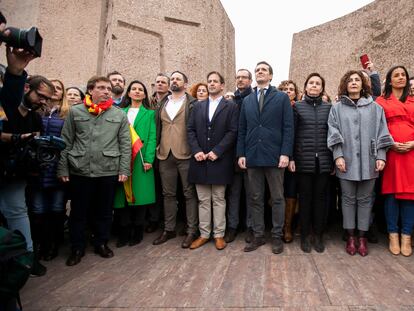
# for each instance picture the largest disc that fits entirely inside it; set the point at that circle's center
(19, 100)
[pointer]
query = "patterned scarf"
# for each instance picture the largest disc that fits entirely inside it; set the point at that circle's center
(97, 109)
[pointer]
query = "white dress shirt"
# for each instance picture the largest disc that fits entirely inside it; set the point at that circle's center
(213, 103)
(132, 114)
(173, 107)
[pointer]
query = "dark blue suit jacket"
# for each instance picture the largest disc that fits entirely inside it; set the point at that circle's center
(218, 136)
(264, 136)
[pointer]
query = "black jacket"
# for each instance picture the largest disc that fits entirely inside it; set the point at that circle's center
(239, 96)
(311, 130)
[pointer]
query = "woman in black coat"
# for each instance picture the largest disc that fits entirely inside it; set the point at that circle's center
(312, 161)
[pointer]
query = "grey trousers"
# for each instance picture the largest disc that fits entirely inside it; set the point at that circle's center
(169, 171)
(357, 201)
(209, 195)
(274, 177)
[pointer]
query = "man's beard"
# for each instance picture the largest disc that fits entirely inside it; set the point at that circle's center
(176, 88)
(29, 105)
(117, 90)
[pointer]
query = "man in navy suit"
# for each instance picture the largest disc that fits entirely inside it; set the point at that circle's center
(212, 133)
(264, 145)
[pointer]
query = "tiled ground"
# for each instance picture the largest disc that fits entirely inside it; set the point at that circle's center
(166, 277)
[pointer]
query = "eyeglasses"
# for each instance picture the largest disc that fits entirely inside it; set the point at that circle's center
(42, 96)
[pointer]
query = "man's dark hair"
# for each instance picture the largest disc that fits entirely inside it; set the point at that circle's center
(343, 85)
(248, 72)
(184, 76)
(388, 87)
(36, 81)
(95, 79)
(217, 73)
(112, 73)
(315, 74)
(163, 75)
(267, 64)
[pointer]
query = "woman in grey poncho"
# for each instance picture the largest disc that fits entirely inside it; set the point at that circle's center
(358, 137)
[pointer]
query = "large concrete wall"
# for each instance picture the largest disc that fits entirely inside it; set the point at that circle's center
(382, 29)
(138, 38)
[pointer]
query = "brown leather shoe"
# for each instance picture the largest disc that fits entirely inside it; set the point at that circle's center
(188, 240)
(198, 243)
(220, 243)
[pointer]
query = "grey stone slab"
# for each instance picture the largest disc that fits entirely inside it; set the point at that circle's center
(293, 281)
(354, 280)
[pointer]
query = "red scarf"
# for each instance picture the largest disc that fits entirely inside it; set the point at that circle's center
(97, 109)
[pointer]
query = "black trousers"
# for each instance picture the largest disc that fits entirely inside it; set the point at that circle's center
(94, 195)
(313, 210)
(132, 215)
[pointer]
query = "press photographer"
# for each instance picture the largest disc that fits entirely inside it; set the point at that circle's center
(20, 100)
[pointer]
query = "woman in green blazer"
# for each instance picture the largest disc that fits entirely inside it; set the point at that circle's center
(142, 119)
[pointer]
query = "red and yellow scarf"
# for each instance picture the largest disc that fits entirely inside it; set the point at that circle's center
(97, 109)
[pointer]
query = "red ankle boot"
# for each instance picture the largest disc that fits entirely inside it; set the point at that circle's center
(351, 246)
(363, 247)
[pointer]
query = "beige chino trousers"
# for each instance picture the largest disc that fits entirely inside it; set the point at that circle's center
(212, 199)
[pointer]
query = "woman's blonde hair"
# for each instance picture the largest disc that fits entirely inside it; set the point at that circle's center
(63, 103)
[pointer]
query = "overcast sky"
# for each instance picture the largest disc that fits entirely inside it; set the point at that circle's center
(264, 28)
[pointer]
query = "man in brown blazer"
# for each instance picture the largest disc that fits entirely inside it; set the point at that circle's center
(173, 153)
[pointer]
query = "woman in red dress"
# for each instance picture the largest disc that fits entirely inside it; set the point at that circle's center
(398, 179)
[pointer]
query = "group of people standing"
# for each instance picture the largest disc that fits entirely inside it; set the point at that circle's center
(126, 151)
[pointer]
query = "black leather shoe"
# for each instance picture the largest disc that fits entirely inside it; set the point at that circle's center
(305, 244)
(230, 235)
(188, 240)
(104, 251)
(249, 235)
(318, 244)
(38, 269)
(277, 245)
(152, 227)
(74, 258)
(164, 237)
(254, 244)
(137, 236)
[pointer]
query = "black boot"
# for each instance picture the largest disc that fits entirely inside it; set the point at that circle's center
(318, 243)
(305, 244)
(123, 236)
(55, 235)
(38, 231)
(137, 235)
(37, 269)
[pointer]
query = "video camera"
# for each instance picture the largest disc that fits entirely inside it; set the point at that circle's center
(34, 155)
(26, 39)
(43, 152)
